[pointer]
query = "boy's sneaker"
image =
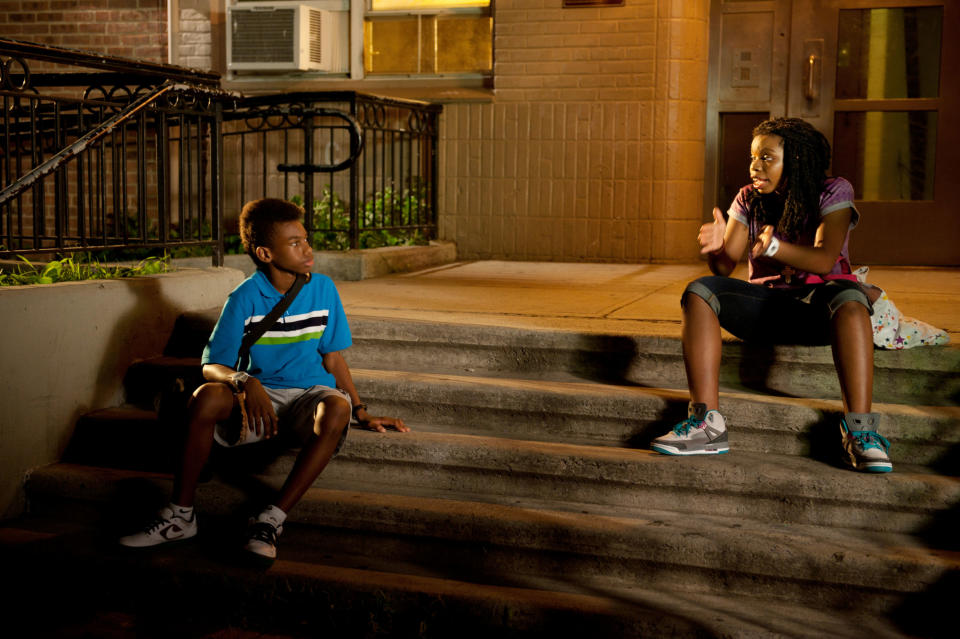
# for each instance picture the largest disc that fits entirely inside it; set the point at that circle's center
(168, 526)
(262, 536)
(864, 449)
(703, 432)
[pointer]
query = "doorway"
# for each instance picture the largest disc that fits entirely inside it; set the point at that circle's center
(874, 77)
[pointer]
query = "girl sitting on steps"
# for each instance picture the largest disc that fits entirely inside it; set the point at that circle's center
(795, 221)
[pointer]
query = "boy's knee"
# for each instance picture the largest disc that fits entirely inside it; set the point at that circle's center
(333, 414)
(212, 400)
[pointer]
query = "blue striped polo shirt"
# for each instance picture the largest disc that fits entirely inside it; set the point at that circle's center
(290, 354)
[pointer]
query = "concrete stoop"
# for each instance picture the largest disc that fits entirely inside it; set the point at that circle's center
(913, 377)
(526, 500)
(309, 597)
(487, 547)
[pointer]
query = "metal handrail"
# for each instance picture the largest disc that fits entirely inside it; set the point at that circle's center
(156, 70)
(54, 162)
(356, 144)
(154, 173)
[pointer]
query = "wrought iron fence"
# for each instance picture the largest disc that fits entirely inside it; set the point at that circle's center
(121, 159)
(147, 156)
(375, 189)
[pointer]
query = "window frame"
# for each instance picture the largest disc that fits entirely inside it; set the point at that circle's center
(369, 11)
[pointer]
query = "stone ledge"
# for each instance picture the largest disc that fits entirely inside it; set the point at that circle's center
(356, 265)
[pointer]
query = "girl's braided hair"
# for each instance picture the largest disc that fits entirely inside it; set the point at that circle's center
(806, 157)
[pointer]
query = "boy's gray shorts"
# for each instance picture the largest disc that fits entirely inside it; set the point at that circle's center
(295, 408)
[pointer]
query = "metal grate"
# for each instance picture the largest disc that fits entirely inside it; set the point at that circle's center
(316, 37)
(263, 36)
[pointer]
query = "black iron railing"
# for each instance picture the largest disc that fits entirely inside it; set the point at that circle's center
(365, 190)
(126, 158)
(149, 156)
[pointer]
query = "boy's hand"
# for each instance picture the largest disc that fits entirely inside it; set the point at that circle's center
(711, 235)
(260, 413)
(380, 424)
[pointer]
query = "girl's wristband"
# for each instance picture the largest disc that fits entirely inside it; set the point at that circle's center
(772, 248)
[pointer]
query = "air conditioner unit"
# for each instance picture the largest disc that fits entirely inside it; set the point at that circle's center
(280, 36)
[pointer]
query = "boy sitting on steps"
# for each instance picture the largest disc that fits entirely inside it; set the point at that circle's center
(295, 377)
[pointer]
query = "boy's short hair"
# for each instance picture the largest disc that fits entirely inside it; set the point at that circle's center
(258, 221)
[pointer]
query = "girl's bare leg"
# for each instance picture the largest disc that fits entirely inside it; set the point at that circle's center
(701, 351)
(852, 345)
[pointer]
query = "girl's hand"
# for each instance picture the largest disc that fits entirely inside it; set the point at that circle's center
(763, 241)
(711, 235)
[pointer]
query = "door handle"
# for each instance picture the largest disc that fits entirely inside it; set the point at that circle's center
(811, 91)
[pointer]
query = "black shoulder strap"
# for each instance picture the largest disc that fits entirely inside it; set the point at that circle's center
(256, 331)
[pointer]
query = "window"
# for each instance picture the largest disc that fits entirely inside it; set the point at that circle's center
(428, 38)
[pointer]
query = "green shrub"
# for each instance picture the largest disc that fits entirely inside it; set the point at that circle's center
(388, 208)
(76, 268)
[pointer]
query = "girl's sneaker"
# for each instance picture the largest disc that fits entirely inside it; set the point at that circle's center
(703, 432)
(168, 526)
(863, 448)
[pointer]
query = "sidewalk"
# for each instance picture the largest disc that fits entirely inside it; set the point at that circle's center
(625, 299)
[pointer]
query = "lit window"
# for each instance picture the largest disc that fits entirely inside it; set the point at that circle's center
(428, 37)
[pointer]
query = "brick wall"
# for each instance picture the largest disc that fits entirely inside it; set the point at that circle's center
(195, 35)
(128, 28)
(592, 148)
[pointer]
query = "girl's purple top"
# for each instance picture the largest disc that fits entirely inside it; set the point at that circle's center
(837, 195)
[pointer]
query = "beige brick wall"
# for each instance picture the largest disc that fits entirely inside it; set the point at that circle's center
(592, 148)
(194, 35)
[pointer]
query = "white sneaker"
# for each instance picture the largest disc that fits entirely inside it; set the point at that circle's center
(167, 527)
(262, 536)
(703, 432)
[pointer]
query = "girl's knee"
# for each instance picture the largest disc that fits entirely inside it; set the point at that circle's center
(846, 299)
(703, 290)
(849, 307)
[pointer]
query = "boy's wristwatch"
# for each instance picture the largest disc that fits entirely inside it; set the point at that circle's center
(357, 408)
(239, 379)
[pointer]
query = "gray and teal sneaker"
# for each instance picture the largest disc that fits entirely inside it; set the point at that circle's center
(703, 432)
(864, 449)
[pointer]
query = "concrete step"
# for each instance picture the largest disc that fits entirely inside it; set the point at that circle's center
(770, 487)
(335, 593)
(452, 536)
(920, 376)
(606, 414)
(631, 416)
